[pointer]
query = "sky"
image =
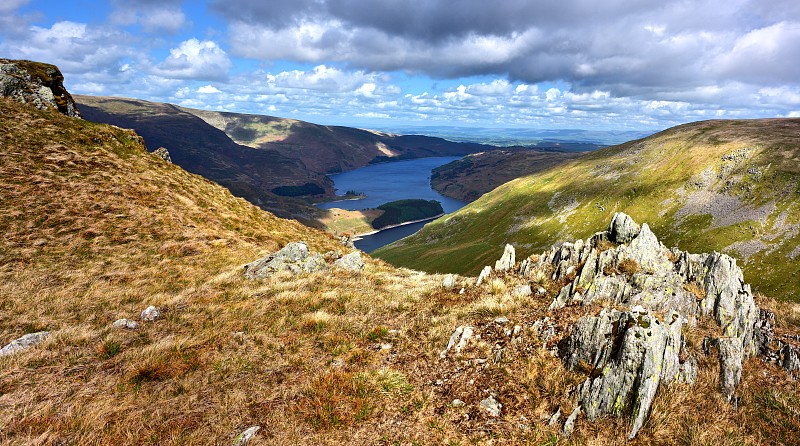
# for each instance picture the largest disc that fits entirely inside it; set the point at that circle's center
(539, 64)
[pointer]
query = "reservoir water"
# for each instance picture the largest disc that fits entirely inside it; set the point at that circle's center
(387, 182)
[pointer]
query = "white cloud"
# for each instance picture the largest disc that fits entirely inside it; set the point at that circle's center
(208, 89)
(195, 59)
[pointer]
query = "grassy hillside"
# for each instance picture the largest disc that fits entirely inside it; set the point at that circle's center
(730, 186)
(96, 229)
(474, 175)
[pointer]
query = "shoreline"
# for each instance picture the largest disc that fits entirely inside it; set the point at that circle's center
(405, 223)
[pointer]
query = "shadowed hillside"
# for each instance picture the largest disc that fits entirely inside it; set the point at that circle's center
(730, 186)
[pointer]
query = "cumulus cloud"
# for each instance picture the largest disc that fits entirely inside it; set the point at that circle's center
(641, 48)
(195, 59)
(208, 89)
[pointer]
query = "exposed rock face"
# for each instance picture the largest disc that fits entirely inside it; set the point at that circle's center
(649, 293)
(506, 262)
(38, 84)
(24, 342)
(629, 354)
(485, 273)
(163, 153)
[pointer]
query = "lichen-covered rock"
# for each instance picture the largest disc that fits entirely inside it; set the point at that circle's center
(350, 262)
(628, 354)
(622, 228)
(243, 438)
(124, 323)
(150, 314)
(163, 153)
(24, 342)
(295, 257)
(491, 406)
(38, 84)
(730, 365)
(507, 260)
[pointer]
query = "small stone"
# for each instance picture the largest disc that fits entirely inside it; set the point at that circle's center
(449, 282)
(458, 403)
(502, 320)
(461, 291)
(569, 425)
(24, 342)
(541, 291)
(522, 291)
(386, 346)
(554, 419)
(163, 153)
(150, 314)
(492, 406)
(124, 323)
(243, 438)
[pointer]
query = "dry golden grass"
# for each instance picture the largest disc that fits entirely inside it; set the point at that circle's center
(96, 231)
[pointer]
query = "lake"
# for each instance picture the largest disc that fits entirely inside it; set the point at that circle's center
(387, 182)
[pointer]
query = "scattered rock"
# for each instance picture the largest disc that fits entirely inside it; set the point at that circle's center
(350, 262)
(502, 320)
(124, 323)
(24, 342)
(243, 438)
(492, 406)
(554, 419)
(484, 275)
(163, 153)
(150, 314)
(506, 262)
(332, 255)
(458, 403)
(295, 257)
(521, 291)
(458, 339)
(449, 282)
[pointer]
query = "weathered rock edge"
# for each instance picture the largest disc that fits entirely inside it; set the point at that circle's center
(649, 293)
(38, 84)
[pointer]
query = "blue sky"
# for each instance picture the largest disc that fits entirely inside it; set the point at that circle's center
(601, 65)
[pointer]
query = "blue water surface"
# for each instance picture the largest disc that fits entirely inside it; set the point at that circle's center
(385, 182)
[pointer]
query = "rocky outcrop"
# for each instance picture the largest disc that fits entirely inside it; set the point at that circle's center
(24, 342)
(38, 84)
(506, 262)
(296, 258)
(648, 294)
(150, 314)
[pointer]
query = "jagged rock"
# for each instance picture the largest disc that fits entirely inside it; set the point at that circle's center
(492, 406)
(484, 275)
(622, 228)
(569, 425)
(628, 354)
(449, 282)
(295, 257)
(38, 84)
(124, 323)
(791, 358)
(243, 438)
(458, 340)
(554, 419)
(150, 314)
(163, 153)
(730, 365)
(350, 262)
(506, 262)
(24, 342)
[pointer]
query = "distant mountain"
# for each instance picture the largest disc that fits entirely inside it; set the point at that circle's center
(730, 186)
(256, 156)
(474, 175)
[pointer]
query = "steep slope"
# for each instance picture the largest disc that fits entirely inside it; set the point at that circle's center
(207, 151)
(730, 186)
(474, 175)
(96, 229)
